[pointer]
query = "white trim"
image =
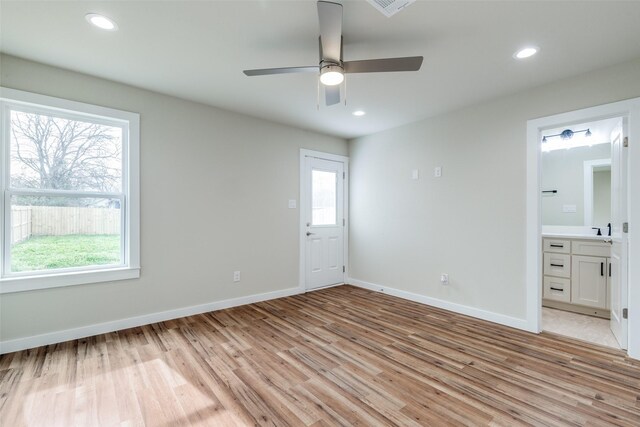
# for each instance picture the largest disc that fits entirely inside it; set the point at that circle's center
(533, 252)
(70, 278)
(15, 96)
(633, 190)
(630, 109)
(18, 344)
(589, 165)
(303, 199)
(490, 316)
(129, 198)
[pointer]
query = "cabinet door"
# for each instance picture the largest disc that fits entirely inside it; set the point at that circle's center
(589, 281)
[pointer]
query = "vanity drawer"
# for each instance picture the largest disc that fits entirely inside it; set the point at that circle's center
(557, 289)
(591, 248)
(556, 245)
(558, 265)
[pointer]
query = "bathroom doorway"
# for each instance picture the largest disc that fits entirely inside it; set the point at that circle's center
(579, 252)
(576, 216)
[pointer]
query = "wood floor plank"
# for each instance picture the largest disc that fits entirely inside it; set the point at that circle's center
(339, 356)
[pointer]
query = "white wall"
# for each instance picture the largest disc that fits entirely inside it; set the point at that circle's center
(563, 170)
(469, 223)
(214, 194)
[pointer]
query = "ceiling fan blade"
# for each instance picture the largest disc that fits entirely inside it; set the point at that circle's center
(330, 17)
(409, 63)
(332, 94)
(285, 70)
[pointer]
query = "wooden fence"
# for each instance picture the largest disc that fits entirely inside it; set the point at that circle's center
(30, 221)
(20, 223)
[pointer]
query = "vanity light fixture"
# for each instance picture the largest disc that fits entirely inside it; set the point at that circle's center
(101, 22)
(567, 134)
(358, 113)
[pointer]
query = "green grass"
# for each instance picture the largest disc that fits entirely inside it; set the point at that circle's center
(75, 250)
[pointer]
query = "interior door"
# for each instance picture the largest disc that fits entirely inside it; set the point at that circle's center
(618, 291)
(324, 217)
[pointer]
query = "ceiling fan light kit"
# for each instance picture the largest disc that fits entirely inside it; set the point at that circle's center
(331, 68)
(331, 75)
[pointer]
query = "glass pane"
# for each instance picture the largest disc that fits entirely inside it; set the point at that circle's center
(323, 197)
(49, 152)
(52, 232)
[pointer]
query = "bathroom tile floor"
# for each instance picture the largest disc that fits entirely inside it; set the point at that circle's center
(580, 326)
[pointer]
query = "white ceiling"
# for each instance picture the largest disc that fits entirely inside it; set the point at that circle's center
(198, 49)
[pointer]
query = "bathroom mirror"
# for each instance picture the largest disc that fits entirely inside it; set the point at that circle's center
(576, 177)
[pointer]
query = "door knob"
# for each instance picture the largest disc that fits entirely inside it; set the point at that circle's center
(309, 233)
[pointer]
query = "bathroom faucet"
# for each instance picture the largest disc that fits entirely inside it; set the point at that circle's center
(599, 232)
(609, 225)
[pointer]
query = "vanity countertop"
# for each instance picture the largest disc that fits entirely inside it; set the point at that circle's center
(577, 236)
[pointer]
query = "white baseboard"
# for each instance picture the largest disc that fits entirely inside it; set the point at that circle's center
(18, 344)
(501, 319)
(10, 346)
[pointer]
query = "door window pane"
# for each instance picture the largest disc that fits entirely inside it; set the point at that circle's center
(323, 197)
(53, 153)
(52, 232)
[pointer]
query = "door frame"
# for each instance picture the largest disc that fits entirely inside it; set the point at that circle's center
(304, 198)
(629, 110)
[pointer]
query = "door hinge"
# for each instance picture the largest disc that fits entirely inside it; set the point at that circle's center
(344, 269)
(625, 227)
(344, 175)
(344, 222)
(625, 141)
(625, 313)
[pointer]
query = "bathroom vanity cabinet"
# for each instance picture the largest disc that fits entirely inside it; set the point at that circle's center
(576, 275)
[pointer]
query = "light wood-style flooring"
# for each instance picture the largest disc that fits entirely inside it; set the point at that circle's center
(339, 356)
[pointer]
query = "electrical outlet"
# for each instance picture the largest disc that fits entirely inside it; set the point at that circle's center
(236, 276)
(437, 171)
(444, 278)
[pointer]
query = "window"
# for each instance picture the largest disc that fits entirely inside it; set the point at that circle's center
(70, 193)
(323, 197)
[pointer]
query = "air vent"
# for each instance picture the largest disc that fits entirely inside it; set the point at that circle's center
(390, 7)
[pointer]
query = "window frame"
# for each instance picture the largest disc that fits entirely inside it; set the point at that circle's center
(129, 197)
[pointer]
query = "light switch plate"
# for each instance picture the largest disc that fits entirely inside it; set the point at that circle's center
(292, 204)
(569, 208)
(415, 174)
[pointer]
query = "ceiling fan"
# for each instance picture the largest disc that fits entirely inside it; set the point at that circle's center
(331, 67)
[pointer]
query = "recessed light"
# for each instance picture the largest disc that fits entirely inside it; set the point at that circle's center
(101, 21)
(358, 113)
(526, 52)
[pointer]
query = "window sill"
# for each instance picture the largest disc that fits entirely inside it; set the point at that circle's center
(30, 283)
